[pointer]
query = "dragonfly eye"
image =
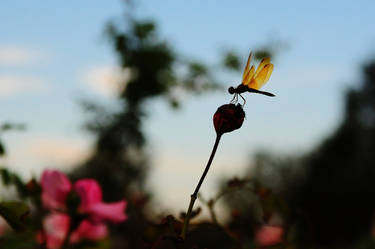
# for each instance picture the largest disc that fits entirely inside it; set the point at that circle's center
(231, 90)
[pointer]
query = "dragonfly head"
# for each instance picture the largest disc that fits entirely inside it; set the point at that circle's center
(231, 90)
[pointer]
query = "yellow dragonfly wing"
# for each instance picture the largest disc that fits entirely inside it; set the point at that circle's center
(249, 76)
(264, 73)
(247, 67)
(262, 63)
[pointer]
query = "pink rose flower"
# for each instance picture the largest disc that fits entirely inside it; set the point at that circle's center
(91, 203)
(269, 235)
(56, 227)
(55, 189)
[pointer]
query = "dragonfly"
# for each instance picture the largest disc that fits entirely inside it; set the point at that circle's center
(253, 80)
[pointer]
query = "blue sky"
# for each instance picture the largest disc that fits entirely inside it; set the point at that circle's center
(53, 54)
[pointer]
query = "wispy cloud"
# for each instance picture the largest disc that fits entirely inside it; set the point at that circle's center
(105, 80)
(58, 151)
(37, 151)
(11, 85)
(11, 55)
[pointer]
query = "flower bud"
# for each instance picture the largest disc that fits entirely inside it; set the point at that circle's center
(228, 117)
(33, 187)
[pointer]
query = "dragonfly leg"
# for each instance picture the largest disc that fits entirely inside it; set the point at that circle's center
(233, 99)
(244, 100)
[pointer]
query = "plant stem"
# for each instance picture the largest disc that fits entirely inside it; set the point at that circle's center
(193, 197)
(74, 222)
(65, 244)
(213, 214)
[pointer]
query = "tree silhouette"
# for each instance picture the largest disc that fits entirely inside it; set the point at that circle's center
(329, 192)
(338, 195)
(119, 161)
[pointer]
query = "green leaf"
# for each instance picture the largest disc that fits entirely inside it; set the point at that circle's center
(15, 213)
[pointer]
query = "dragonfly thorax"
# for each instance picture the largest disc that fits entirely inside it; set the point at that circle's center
(239, 89)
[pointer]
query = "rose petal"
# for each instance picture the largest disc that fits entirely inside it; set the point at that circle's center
(114, 212)
(90, 231)
(89, 191)
(55, 189)
(4, 227)
(56, 228)
(269, 235)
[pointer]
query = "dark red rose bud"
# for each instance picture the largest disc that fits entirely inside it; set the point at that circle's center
(32, 186)
(228, 118)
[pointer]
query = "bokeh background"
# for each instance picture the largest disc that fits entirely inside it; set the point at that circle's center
(124, 92)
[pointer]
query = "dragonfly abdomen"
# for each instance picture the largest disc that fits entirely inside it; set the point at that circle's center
(252, 90)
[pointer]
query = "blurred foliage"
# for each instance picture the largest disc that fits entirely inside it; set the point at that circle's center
(119, 161)
(12, 126)
(260, 54)
(15, 213)
(5, 127)
(328, 192)
(2, 149)
(24, 240)
(271, 48)
(341, 172)
(231, 60)
(11, 179)
(20, 234)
